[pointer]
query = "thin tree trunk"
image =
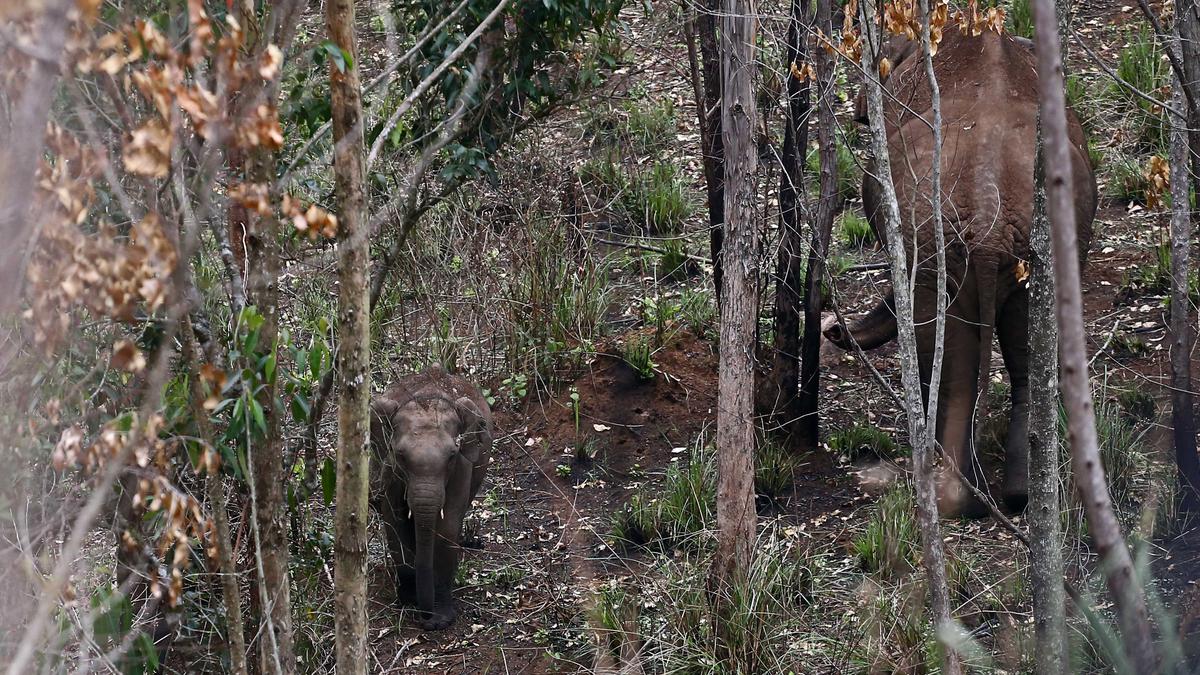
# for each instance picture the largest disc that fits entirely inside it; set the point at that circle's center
(1186, 458)
(1045, 526)
(713, 150)
(23, 141)
(920, 433)
(808, 402)
(789, 273)
(736, 514)
(215, 490)
(1123, 585)
(353, 353)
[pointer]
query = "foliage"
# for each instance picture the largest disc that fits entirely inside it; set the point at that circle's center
(855, 231)
(658, 200)
(847, 171)
(861, 440)
(775, 468)
(639, 354)
(1020, 18)
(888, 547)
(677, 513)
(1140, 63)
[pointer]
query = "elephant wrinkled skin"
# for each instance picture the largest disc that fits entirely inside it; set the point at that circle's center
(989, 111)
(431, 440)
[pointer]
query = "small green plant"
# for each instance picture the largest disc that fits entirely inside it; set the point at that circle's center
(1141, 64)
(1129, 346)
(855, 230)
(862, 440)
(698, 310)
(1095, 155)
(1127, 181)
(673, 262)
(639, 354)
(1149, 279)
(573, 395)
(659, 313)
(1019, 19)
(659, 200)
(1137, 403)
(605, 177)
(888, 547)
(774, 469)
(674, 513)
(613, 616)
(650, 127)
(1122, 453)
(838, 264)
(849, 177)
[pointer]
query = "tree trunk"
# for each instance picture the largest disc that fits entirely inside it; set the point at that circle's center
(1045, 526)
(789, 273)
(920, 432)
(353, 353)
(713, 147)
(736, 514)
(807, 413)
(1123, 585)
(1182, 225)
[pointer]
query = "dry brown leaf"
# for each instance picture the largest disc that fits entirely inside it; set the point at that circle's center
(148, 153)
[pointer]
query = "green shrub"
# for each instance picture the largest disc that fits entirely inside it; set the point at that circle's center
(1122, 452)
(605, 177)
(889, 545)
(1019, 19)
(698, 310)
(659, 200)
(650, 128)
(1127, 181)
(849, 177)
(774, 469)
(862, 440)
(675, 513)
(1140, 63)
(855, 230)
(673, 262)
(639, 354)
(764, 613)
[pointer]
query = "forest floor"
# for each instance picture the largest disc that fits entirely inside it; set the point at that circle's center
(541, 544)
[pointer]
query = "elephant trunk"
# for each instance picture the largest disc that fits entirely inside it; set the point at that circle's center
(875, 329)
(426, 501)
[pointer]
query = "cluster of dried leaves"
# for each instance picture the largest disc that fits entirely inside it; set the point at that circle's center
(902, 17)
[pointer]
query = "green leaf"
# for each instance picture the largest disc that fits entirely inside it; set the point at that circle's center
(342, 60)
(300, 409)
(316, 357)
(328, 480)
(260, 419)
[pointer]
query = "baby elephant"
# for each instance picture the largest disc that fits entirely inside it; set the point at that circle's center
(431, 436)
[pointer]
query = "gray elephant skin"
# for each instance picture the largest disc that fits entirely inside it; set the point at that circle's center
(431, 440)
(989, 108)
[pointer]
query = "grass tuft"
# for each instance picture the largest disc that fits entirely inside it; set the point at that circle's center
(888, 547)
(862, 440)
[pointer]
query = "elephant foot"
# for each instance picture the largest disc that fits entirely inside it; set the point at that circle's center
(440, 618)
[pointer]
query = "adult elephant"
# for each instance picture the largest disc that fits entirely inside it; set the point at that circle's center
(989, 102)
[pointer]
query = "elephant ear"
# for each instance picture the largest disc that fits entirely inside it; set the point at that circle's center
(382, 412)
(473, 424)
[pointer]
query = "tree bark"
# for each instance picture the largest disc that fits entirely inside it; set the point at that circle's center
(1123, 585)
(920, 433)
(1045, 526)
(1183, 219)
(736, 514)
(789, 275)
(353, 353)
(808, 402)
(23, 142)
(711, 137)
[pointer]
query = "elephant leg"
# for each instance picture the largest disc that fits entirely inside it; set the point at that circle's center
(956, 398)
(1012, 326)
